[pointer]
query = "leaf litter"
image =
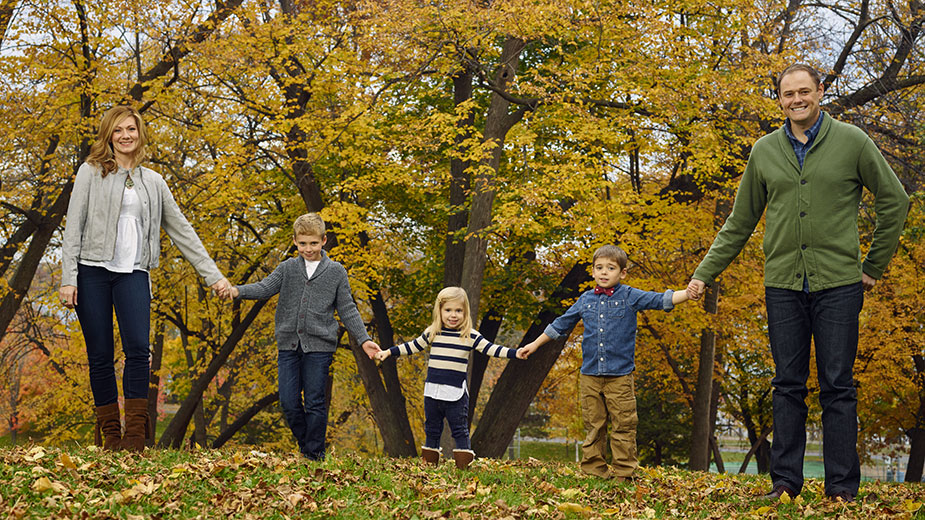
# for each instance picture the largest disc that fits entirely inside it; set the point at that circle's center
(51, 482)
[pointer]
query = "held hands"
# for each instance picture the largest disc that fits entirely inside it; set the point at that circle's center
(371, 348)
(695, 289)
(525, 351)
(221, 288)
(382, 355)
(225, 290)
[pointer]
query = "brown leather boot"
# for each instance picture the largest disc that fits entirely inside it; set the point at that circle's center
(108, 431)
(137, 425)
(463, 458)
(430, 455)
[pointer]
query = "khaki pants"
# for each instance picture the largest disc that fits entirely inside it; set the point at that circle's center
(609, 399)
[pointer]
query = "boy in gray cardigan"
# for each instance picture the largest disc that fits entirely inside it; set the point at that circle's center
(311, 287)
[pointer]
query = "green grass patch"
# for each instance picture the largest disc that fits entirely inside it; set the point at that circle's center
(45, 482)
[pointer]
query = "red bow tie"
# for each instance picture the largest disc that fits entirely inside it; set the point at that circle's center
(600, 290)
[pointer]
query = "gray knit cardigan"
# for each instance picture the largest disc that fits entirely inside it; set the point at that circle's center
(305, 310)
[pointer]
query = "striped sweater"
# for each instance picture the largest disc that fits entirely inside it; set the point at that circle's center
(449, 354)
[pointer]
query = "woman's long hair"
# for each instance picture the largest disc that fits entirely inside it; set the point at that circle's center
(101, 154)
(451, 294)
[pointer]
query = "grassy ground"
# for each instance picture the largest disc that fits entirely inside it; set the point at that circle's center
(41, 482)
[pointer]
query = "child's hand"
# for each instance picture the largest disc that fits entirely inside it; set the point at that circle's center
(695, 289)
(525, 351)
(229, 293)
(382, 355)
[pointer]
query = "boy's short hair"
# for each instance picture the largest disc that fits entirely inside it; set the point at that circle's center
(309, 224)
(611, 252)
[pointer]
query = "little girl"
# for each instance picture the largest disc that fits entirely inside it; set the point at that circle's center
(451, 339)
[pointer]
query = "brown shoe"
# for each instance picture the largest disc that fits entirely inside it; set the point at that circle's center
(137, 425)
(108, 431)
(463, 458)
(844, 496)
(779, 490)
(430, 455)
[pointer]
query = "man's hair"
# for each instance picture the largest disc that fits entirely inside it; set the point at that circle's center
(309, 224)
(611, 252)
(797, 67)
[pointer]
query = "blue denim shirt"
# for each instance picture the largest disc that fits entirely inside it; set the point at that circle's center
(608, 346)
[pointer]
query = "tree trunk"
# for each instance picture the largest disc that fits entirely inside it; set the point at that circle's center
(917, 433)
(498, 122)
(394, 416)
(916, 455)
(244, 418)
(762, 438)
(173, 434)
(717, 456)
(714, 409)
(701, 432)
(521, 380)
(154, 382)
(455, 248)
(396, 441)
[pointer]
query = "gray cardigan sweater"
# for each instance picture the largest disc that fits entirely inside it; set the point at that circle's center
(305, 310)
(93, 216)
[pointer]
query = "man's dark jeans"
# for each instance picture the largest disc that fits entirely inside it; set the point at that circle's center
(830, 318)
(457, 417)
(305, 373)
(99, 291)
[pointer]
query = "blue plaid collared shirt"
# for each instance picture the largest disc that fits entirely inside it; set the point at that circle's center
(801, 149)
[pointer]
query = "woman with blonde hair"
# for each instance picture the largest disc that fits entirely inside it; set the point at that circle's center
(111, 242)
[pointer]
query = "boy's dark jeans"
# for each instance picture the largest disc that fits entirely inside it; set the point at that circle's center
(457, 416)
(305, 373)
(830, 318)
(98, 292)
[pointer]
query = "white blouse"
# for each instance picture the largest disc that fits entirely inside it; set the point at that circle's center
(127, 254)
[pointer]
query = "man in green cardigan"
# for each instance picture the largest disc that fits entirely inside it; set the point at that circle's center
(808, 176)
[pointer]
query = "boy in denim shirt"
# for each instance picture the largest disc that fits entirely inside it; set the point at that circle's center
(608, 351)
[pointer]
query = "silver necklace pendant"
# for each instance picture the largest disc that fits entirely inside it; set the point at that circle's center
(129, 183)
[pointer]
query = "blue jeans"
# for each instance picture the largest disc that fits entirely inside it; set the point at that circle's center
(99, 292)
(457, 416)
(305, 373)
(830, 318)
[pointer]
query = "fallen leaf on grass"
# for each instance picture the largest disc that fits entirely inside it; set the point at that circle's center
(572, 493)
(35, 454)
(44, 485)
(912, 506)
(571, 507)
(67, 462)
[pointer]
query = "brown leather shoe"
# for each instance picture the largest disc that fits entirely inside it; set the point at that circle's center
(776, 493)
(844, 496)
